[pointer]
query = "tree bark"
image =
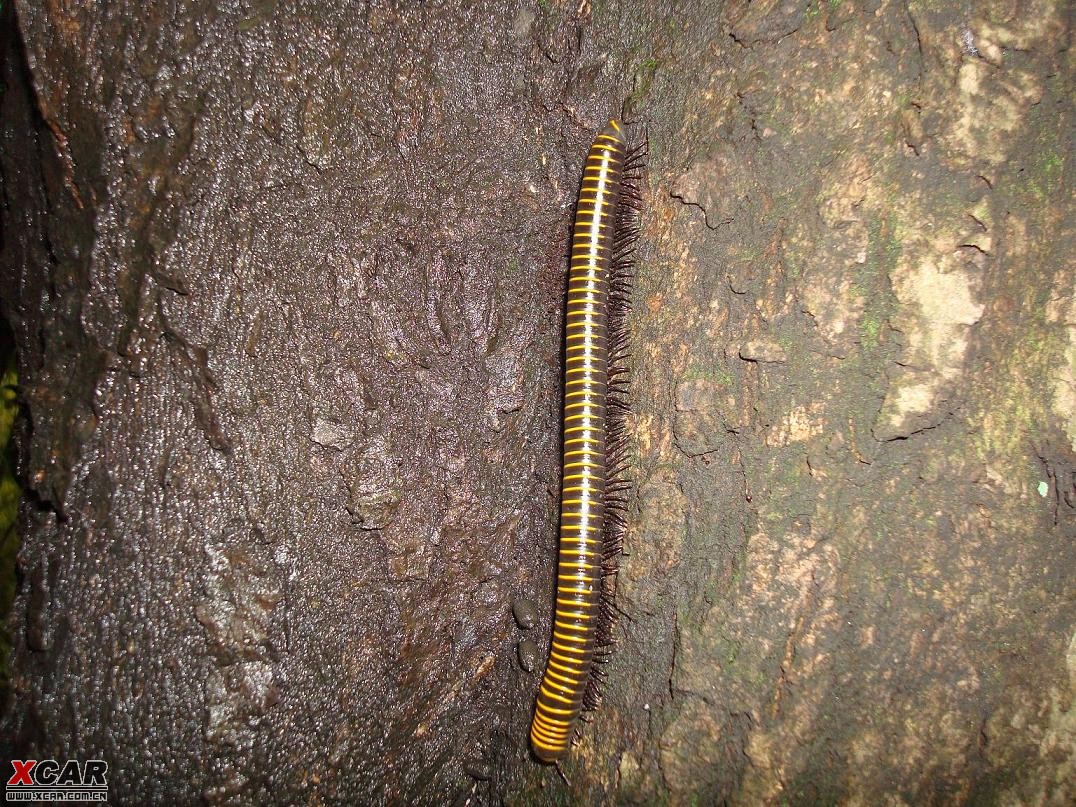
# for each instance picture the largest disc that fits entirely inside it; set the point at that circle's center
(286, 281)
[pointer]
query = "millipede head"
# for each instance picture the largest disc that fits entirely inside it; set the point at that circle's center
(614, 130)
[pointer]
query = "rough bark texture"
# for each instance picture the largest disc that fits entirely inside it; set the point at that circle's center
(286, 281)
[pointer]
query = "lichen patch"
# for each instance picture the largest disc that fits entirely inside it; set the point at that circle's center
(942, 296)
(800, 424)
(991, 108)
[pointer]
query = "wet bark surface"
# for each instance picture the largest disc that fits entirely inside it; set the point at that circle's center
(286, 281)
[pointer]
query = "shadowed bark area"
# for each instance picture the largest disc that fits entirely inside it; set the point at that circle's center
(286, 282)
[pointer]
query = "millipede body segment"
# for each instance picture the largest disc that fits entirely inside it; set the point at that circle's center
(591, 487)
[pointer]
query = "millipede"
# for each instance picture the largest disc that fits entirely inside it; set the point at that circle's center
(594, 483)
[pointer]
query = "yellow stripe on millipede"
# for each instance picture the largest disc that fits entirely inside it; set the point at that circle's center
(552, 731)
(553, 744)
(577, 667)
